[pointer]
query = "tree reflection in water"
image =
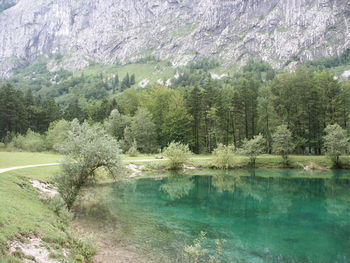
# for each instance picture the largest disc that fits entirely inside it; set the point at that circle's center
(177, 185)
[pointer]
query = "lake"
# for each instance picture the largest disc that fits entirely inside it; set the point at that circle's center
(247, 215)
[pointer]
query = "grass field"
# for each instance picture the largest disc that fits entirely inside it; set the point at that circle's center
(151, 71)
(11, 159)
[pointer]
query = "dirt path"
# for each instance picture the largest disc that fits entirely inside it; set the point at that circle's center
(3, 170)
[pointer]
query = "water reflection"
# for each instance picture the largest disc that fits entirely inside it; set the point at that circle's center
(226, 182)
(177, 185)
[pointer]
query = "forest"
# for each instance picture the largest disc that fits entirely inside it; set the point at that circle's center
(195, 109)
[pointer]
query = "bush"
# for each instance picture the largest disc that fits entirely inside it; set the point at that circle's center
(32, 142)
(133, 152)
(223, 156)
(84, 250)
(178, 154)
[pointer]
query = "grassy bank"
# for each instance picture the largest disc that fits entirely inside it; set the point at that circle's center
(24, 214)
(266, 161)
(262, 162)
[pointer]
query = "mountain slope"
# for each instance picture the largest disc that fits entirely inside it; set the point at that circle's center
(114, 31)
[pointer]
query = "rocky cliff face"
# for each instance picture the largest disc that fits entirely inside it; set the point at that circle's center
(177, 30)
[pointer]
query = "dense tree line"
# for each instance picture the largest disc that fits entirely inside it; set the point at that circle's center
(22, 111)
(198, 110)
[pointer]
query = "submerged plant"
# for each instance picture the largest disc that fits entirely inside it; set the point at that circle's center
(198, 253)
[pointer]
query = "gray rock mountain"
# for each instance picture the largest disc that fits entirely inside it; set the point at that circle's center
(113, 31)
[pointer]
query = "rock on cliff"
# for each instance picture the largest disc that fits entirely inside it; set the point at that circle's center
(177, 30)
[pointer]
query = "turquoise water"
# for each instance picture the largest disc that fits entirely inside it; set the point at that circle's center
(260, 216)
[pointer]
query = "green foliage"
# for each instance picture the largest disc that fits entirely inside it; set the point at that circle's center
(87, 149)
(204, 63)
(224, 156)
(196, 109)
(143, 131)
(282, 142)
(116, 124)
(58, 206)
(178, 154)
(57, 134)
(20, 112)
(148, 59)
(253, 148)
(330, 62)
(31, 142)
(84, 250)
(133, 152)
(336, 142)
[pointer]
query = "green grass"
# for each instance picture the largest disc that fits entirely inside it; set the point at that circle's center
(295, 161)
(23, 213)
(12, 159)
(152, 71)
(262, 162)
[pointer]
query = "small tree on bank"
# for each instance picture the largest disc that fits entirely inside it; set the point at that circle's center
(336, 143)
(178, 154)
(86, 149)
(223, 156)
(253, 148)
(282, 142)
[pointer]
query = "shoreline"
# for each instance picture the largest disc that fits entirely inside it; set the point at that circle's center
(139, 169)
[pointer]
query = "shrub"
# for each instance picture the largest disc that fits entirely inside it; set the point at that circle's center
(133, 152)
(223, 156)
(178, 154)
(32, 142)
(84, 250)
